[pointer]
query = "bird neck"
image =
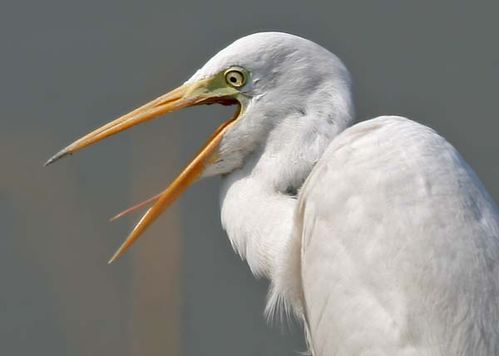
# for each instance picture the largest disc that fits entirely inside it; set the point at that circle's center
(258, 200)
(257, 218)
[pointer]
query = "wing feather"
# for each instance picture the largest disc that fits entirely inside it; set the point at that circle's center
(399, 247)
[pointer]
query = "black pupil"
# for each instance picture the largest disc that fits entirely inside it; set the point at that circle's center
(233, 79)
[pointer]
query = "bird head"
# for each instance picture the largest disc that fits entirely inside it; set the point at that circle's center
(268, 76)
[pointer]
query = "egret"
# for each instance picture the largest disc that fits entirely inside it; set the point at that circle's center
(378, 236)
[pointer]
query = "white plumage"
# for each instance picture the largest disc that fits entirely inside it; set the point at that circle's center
(379, 237)
(399, 247)
(391, 246)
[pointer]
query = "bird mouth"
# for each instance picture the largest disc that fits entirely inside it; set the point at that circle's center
(226, 101)
(189, 94)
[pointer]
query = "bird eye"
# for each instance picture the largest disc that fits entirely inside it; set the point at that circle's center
(235, 78)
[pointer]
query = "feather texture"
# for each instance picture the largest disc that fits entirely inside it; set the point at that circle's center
(379, 237)
(399, 247)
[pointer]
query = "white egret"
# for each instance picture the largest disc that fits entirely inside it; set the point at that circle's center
(379, 237)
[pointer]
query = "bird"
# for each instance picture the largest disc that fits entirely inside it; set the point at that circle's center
(377, 236)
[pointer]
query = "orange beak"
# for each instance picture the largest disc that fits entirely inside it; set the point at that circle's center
(186, 95)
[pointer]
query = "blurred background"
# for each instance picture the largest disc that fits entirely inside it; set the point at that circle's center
(67, 67)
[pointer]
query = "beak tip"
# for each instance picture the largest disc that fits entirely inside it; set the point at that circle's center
(56, 157)
(115, 256)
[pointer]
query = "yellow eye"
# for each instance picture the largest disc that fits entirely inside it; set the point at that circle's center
(235, 78)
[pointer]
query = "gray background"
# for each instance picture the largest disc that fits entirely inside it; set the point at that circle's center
(67, 67)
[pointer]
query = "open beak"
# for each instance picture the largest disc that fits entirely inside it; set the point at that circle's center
(186, 95)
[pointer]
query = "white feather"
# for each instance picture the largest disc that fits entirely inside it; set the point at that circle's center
(391, 245)
(399, 247)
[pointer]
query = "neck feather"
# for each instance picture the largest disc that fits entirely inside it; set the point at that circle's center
(257, 218)
(258, 200)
